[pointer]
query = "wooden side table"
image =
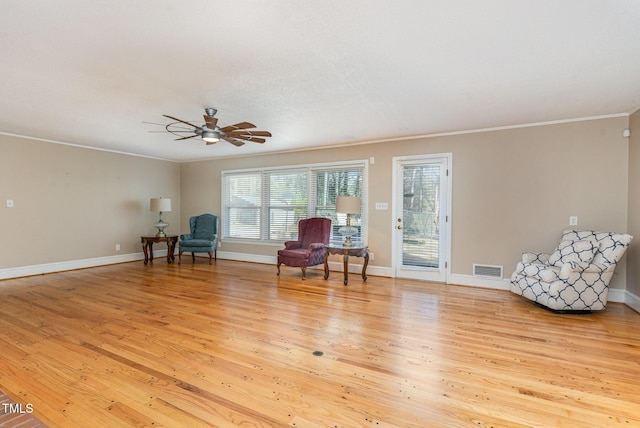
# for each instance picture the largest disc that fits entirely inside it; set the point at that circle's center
(147, 246)
(358, 251)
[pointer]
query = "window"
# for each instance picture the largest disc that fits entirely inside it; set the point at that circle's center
(266, 204)
(286, 197)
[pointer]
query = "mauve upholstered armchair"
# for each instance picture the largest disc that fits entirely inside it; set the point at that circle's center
(308, 250)
(202, 239)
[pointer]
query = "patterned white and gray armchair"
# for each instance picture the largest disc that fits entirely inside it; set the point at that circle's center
(575, 277)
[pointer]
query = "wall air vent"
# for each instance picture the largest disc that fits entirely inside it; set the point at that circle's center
(487, 270)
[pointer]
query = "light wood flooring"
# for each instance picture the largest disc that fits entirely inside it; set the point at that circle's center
(233, 344)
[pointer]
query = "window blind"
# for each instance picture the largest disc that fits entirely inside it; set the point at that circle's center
(266, 204)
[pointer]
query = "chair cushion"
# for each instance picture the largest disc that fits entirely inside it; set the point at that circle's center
(539, 271)
(573, 251)
(298, 253)
(196, 243)
(611, 246)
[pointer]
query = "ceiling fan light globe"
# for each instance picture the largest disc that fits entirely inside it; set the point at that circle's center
(210, 136)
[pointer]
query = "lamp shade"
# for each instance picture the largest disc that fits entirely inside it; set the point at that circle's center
(160, 204)
(348, 204)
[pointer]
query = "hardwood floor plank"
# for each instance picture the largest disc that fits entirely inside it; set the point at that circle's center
(232, 344)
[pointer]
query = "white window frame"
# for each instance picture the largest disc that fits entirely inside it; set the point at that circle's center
(263, 208)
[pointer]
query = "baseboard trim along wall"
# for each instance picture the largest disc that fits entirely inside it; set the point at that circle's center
(479, 281)
(615, 295)
(73, 264)
(632, 301)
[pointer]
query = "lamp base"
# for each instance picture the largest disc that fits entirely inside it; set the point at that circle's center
(347, 232)
(161, 225)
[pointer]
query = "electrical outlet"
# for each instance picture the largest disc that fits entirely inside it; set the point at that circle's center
(117, 247)
(372, 256)
(573, 220)
(9, 203)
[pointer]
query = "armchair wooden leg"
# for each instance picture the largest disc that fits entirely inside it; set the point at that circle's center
(210, 256)
(215, 254)
(279, 268)
(303, 271)
(193, 257)
(179, 257)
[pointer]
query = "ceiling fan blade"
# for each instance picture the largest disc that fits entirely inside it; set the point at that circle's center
(249, 138)
(253, 133)
(241, 125)
(261, 133)
(210, 121)
(233, 141)
(180, 120)
(186, 138)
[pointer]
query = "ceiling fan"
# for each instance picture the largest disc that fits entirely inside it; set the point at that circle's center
(211, 133)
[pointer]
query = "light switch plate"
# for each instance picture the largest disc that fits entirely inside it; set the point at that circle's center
(573, 220)
(9, 203)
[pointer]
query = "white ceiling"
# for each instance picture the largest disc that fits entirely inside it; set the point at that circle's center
(314, 73)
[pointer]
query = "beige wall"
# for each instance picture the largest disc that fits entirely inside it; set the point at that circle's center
(513, 190)
(72, 203)
(633, 256)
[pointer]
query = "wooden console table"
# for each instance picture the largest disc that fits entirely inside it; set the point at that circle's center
(358, 251)
(147, 246)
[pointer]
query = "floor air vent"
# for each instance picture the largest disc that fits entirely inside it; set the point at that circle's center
(487, 270)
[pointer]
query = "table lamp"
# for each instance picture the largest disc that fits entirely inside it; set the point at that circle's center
(160, 205)
(348, 205)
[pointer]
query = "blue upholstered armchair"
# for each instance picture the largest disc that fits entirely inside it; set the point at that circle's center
(202, 239)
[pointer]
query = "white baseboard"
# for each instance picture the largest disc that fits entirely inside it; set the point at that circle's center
(244, 257)
(615, 295)
(479, 281)
(632, 301)
(356, 268)
(333, 266)
(73, 264)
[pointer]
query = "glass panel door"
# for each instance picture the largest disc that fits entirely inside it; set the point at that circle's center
(421, 218)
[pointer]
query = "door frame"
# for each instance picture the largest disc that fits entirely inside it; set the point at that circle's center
(446, 198)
